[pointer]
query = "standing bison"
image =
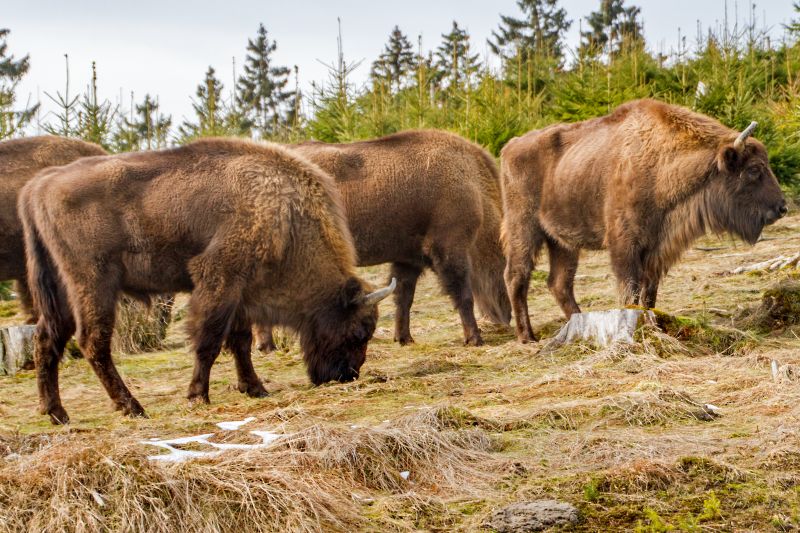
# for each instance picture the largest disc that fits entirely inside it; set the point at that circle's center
(644, 182)
(422, 199)
(20, 160)
(253, 231)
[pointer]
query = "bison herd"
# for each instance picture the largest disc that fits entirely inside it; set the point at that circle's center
(262, 234)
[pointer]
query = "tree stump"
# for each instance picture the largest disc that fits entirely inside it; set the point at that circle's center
(603, 328)
(16, 349)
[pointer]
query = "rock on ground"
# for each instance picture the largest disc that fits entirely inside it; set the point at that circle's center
(533, 516)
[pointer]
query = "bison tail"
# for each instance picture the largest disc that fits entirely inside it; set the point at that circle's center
(46, 289)
(488, 265)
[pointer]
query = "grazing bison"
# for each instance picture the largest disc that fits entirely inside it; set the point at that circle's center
(644, 182)
(20, 160)
(252, 230)
(422, 199)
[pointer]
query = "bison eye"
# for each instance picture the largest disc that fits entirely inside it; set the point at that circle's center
(753, 173)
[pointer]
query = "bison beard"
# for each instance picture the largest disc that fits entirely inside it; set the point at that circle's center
(644, 182)
(250, 229)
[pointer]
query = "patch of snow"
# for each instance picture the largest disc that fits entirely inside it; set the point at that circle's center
(177, 455)
(711, 408)
(231, 426)
(404, 474)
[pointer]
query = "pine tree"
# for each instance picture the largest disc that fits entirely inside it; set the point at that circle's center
(611, 27)
(146, 129)
(95, 117)
(11, 72)
(261, 91)
(794, 25)
(209, 110)
(66, 124)
(453, 57)
(395, 62)
(540, 32)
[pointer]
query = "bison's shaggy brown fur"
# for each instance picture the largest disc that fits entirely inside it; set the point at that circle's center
(20, 160)
(420, 199)
(253, 231)
(644, 182)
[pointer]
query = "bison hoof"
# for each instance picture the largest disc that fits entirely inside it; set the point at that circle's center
(58, 416)
(266, 347)
(198, 399)
(133, 409)
(404, 340)
(254, 390)
(525, 338)
(475, 340)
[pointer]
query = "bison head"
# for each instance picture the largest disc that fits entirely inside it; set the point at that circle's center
(746, 197)
(335, 343)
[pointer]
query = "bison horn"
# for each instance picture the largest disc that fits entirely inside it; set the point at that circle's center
(738, 144)
(376, 296)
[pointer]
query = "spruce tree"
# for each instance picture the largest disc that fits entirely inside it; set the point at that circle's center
(261, 91)
(611, 27)
(95, 117)
(454, 59)
(395, 62)
(11, 72)
(540, 32)
(209, 110)
(146, 129)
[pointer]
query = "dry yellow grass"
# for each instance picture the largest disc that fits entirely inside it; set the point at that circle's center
(624, 434)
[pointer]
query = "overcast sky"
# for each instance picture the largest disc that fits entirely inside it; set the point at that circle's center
(164, 47)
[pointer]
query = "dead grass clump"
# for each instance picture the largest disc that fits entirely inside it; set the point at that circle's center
(779, 308)
(304, 482)
(650, 408)
(698, 333)
(711, 471)
(430, 366)
(140, 328)
(642, 475)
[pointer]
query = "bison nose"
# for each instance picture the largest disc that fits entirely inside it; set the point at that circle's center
(783, 210)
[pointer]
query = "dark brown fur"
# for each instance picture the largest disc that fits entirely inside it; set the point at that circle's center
(20, 160)
(253, 231)
(421, 199)
(644, 182)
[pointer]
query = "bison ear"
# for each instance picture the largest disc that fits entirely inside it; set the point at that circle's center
(352, 291)
(730, 159)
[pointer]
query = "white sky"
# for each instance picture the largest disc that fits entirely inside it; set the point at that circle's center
(164, 47)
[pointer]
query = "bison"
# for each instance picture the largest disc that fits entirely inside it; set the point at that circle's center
(643, 182)
(20, 160)
(421, 199)
(253, 231)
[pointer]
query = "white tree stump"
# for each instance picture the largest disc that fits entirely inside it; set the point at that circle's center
(603, 328)
(16, 349)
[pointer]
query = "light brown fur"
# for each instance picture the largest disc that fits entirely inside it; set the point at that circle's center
(20, 160)
(644, 182)
(252, 230)
(419, 199)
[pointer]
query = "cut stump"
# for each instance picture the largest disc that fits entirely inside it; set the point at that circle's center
(16, 349)
(603, 328)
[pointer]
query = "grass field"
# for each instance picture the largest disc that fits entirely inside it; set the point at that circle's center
(620, 433)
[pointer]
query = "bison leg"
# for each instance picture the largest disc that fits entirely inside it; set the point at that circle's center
(210, 325)
(407, 276)
(26, 301)
(650, 291)
(626, 261)
(51, 338)
(522, 250)
(563, 266)
(452, 267)
(96, 313)
(240, 342)
(265, 341)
